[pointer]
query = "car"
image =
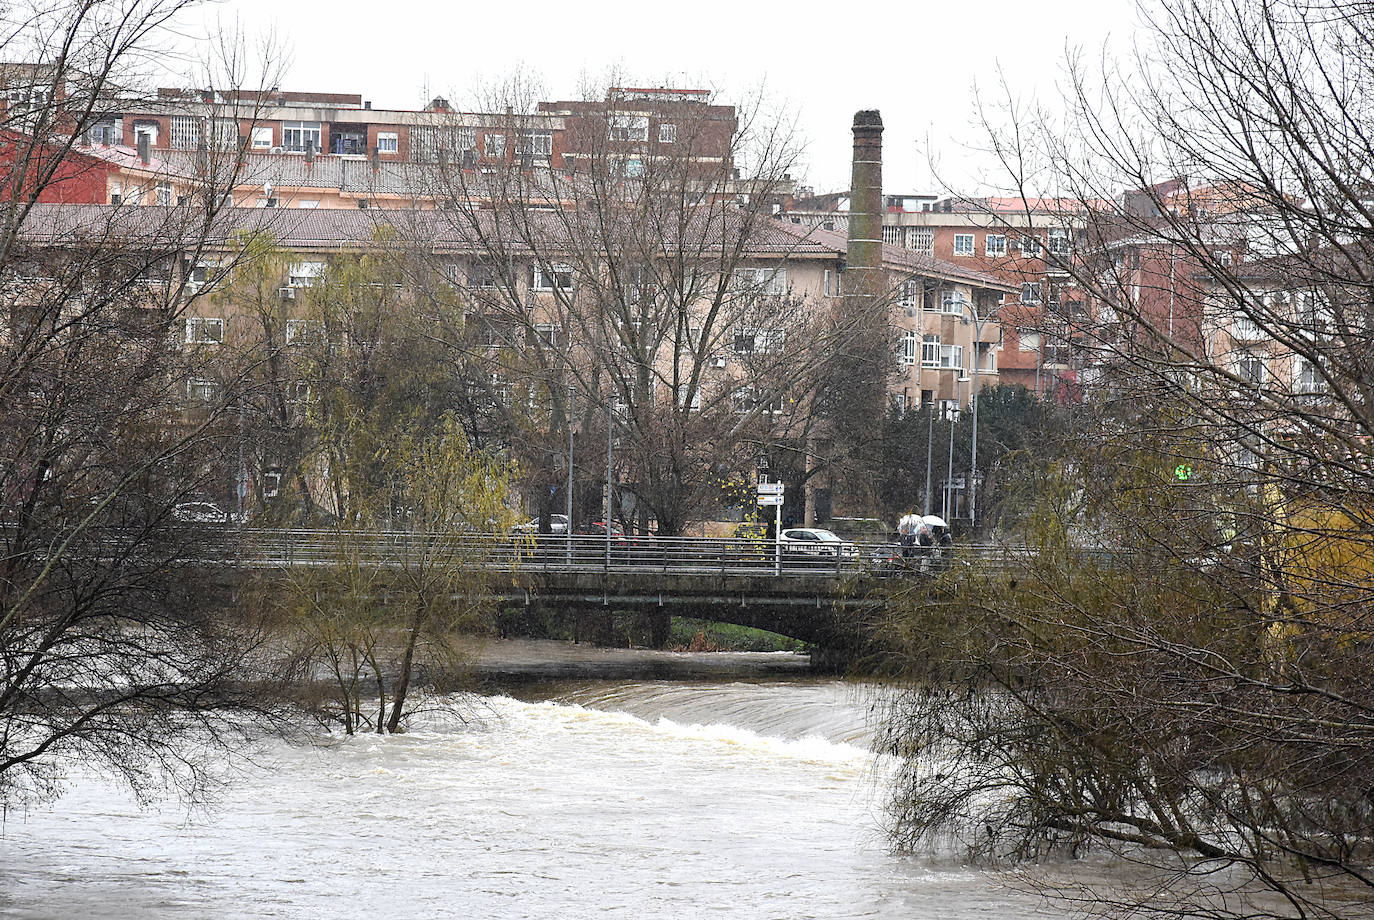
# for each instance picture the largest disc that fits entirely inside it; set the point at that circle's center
(558, 524)
(812, 541)
(200, 513)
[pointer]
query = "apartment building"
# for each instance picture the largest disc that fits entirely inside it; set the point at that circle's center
(1026, 246)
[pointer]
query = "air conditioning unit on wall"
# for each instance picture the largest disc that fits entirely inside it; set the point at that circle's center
(287, 293)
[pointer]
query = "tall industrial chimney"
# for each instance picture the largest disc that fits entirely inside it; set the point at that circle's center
(863, 276)
(856, 397)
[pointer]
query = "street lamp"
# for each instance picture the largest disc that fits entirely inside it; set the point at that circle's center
(949, 473)
(973, 460)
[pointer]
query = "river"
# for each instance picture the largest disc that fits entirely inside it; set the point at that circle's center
(636, 799)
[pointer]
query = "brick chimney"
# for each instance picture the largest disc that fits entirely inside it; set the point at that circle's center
(856, 393)
(864, 252)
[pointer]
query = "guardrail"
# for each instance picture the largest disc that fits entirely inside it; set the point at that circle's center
(594, 553)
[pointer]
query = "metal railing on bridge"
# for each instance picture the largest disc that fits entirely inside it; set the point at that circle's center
(594, 553)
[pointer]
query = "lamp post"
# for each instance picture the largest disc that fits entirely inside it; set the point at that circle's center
(949, 473)
(973, 459)
(930, 449)
(568, 493)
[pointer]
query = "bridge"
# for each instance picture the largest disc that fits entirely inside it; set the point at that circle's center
(809, 593)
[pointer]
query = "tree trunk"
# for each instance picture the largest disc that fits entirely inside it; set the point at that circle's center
(398, 695)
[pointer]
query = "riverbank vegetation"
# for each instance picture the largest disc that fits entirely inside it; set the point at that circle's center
(1176, 665)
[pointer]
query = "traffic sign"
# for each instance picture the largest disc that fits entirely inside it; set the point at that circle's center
(770, 499)
(770, 488)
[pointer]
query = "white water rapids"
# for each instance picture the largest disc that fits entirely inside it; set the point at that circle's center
(640, 800)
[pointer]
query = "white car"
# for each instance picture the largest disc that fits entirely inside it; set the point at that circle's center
(812, 541)
(558, 524)
(200, 513)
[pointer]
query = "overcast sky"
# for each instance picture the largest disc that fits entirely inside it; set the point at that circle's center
(916, 61)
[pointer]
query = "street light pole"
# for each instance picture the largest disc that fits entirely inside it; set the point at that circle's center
(949, 473)
(930, 449)
(610, 428)
(973, 460)
(567, 497)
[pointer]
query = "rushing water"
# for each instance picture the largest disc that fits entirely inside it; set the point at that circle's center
(638, 800)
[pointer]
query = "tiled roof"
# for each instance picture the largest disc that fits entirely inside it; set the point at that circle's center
(442, 231)
(897, 257)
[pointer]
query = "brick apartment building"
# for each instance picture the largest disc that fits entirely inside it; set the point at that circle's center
(1023, 244)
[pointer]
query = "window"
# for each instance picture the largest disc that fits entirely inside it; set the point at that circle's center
(920, 240)
(164, 194)
(544, 335)
(198, 275)
(1030, 292)
(200, 390)
(629, 128)
(186, 132)
(496, 146)
(1031, 247)
(899, 402)
(271, 483)
(951, 357)
(304, 331)
(1060, 244)
(948, 409)
(963, 244)
(906, 293)
(484, 273)
(204, 330)
(1030, 341)
(951, 301)
(148, 129)
(308, 203)
(388, 142)
(893, 236)
(300, 135)
(224, 133)
(1057, 353)
(534, 144)
(1245, 329)
(1250, 367)
(908, 348)
(830, 282)
(262, 137)
(303, 274)
(1306, 378)
(667, 134)
(760, 280)
(268, 202)
(761, 341)
(930, 351)
(556, 277)
(694, 404)
(298, 392)
(996, 244)
(748, 399)
(1222, 257)
(985, 356)
(107, 131)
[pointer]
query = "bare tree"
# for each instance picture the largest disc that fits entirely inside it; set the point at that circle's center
(638, 271)
(110, 649)
(1178, 669)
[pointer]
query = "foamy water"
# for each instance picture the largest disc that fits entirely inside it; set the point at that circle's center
(636, 800)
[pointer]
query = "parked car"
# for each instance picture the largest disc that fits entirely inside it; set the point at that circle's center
(558, 524)
(201, 513)
(812, 541)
